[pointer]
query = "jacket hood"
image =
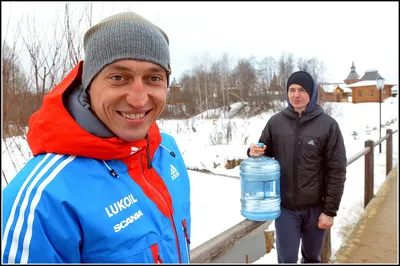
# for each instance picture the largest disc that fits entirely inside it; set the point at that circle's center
(52, 129)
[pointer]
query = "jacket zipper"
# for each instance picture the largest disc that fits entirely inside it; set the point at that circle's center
(184, 227)
(166, 204)
(296, 158)
(156, 255)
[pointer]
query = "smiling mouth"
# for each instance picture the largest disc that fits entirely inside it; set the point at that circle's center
(133, 116)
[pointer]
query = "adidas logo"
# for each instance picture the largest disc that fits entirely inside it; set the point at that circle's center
(134, 150)
(311, 142)
(174, 172)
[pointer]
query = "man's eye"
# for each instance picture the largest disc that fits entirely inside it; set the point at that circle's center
(117, 78)
(155, 78)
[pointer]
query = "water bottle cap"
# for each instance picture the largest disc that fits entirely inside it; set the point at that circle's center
(260, 144)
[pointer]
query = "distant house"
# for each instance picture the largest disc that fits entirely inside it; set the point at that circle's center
(334, 92)
(338, 91)
(174, 93)
(356, 89)
(365, 90)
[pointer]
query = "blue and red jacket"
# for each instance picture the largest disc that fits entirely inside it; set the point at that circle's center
(85, 199)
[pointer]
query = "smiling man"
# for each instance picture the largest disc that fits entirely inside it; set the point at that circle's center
(104, 185)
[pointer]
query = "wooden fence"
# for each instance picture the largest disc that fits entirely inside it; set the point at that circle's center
(222, 243)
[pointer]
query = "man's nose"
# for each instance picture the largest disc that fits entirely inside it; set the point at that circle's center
(137, 95)
(296, 93)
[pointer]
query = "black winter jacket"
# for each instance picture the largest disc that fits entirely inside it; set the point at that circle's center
(312, 156)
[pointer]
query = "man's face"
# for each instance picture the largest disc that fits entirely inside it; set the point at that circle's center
(298, 97)
(128, 96)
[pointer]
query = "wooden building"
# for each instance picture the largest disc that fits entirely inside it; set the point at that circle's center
(365, 89)
(334, 92)
(174, 93)
(338, 91)
(355, 89)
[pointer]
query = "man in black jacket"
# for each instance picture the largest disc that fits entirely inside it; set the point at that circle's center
(309, 146)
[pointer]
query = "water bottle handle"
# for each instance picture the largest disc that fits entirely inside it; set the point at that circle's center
(260, 144)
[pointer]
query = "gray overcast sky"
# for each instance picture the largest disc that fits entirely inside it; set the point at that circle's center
(336, 33)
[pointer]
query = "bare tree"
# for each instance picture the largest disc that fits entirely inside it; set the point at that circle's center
(55, 50)
(49, 47)
(17, 102)
(189, 93)
(267, 67)
(215, 91)
(73, 35)
(14, 88)
(225, 70)
(44, 50)
(285, 68)
(202, 70)
(245, 74)
(312, 66)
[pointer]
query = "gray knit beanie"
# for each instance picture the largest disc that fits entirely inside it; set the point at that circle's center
(123, 36)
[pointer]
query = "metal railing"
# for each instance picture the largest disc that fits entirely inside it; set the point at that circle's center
(222, 243)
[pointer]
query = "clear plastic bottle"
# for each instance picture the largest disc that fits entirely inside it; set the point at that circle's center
(260, 188)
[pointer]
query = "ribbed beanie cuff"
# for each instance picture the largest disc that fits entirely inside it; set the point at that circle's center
(123, 36)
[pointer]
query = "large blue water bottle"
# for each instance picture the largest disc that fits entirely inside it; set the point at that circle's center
(260, 188)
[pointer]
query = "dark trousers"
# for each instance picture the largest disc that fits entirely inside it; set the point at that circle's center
(293, 225)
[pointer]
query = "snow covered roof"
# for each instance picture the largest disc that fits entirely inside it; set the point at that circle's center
(371, 74)
(366, 83)
(330, 87)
